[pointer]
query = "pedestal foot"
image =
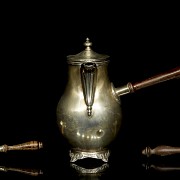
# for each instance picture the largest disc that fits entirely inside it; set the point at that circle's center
(78, 154)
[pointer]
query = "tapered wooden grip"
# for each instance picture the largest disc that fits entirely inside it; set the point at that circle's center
(171, 74)
(32, 172)
(31, 145)
(161, 150)
(161, 168)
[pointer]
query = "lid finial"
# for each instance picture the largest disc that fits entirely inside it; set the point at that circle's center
(87, 44)
(87, 55)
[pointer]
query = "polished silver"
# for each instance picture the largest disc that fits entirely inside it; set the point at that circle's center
(80, 154)
(89, 112)
(97, 170)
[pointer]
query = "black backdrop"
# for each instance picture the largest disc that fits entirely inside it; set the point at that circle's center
(141, 43)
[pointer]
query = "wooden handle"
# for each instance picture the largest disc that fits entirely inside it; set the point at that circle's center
(161, 168)
(161, 150)
(171, 74)
(31, 145)
(32, 172)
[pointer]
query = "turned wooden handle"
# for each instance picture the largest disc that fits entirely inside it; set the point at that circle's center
(161, 150)
(171, 74)
(31, 145)
(161, 168)
(32, 172)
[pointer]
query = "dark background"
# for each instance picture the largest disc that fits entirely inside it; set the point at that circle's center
(141, 40)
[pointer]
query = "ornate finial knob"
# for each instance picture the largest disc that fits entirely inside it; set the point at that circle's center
(87, 43)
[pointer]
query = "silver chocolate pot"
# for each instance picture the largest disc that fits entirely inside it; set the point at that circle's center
(89, 113)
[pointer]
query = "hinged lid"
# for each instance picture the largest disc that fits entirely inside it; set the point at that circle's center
(88, 55)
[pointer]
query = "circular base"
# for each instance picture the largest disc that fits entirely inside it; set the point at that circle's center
(81, 154)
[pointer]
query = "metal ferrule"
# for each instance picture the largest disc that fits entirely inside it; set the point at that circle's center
(126, 89)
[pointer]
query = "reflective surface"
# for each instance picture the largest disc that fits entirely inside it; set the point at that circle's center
(43, 165)
(88, 114)
(140, 41)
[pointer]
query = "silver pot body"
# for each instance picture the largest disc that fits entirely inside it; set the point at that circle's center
(89, 113)
(86, 132)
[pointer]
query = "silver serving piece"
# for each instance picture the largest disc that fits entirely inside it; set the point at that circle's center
(89, 112)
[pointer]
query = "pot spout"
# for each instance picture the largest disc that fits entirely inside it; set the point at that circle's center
(132, 87)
